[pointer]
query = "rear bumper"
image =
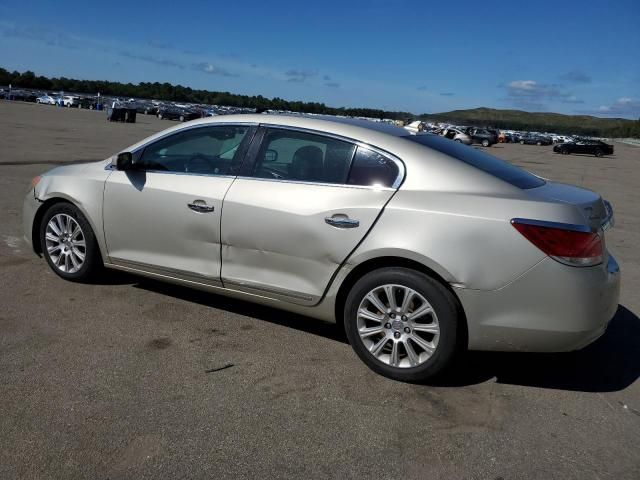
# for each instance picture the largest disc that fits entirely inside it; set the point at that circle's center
(551, 308)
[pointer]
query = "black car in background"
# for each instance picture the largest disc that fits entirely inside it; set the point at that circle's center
(482, 136)
(534, 139)
(178, 113)
(589, 147)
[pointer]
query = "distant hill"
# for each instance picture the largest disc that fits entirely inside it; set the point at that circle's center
(540, 121)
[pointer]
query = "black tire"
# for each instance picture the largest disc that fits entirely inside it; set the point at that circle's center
(443, 303)
(599, 153)
(181, 118)
(485, 143)
(538, 143)
(564, 151)
(521, 142)
(159, 116)
(92, 261)
(458, 140)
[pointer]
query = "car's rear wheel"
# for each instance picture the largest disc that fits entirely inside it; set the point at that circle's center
(521, 142)
(182, 118)
(485, 143)
(402, 323)
(538, 143)
(458, 140)
(159, 116)
(68, 243)
(599, 153)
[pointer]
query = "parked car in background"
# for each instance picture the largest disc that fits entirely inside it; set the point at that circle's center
(46, 99)
(216, 205)
(590, 147)
(417, 126)
(69, 100)
(482, 136)
(178, 113)
(499, 135)
(456, 135)
(534, 139)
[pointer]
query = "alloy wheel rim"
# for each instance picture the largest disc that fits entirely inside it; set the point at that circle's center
(65, 242)
(398, 326)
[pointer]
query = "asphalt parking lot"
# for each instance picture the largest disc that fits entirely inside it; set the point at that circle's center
(123, 379)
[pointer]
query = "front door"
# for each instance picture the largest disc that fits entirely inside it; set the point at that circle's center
(304, 206)
(164, 216)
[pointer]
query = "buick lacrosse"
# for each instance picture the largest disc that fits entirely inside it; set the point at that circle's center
(421, 247)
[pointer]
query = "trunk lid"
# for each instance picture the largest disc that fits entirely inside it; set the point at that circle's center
(597, 213)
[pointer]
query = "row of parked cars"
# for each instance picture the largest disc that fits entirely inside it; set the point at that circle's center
(163, 110)
(488, 136)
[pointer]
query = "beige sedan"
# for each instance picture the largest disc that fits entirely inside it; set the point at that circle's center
(421, 247)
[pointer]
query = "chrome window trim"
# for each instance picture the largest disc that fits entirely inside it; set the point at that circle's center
(399, 163)
(319, 184)
(544, 223)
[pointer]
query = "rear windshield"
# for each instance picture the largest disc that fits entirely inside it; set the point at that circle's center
(480, 160)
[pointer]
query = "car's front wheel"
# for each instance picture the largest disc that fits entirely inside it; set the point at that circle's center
(68, 243)
(485, 143)
(402, 323)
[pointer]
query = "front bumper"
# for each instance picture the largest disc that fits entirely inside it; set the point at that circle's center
(30, 207)
(550, 308)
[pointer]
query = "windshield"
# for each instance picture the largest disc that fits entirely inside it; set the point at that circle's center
(480, 160)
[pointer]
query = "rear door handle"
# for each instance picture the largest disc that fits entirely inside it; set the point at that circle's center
(342, 221)
(200, 206)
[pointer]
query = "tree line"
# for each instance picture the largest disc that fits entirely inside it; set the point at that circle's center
(485, 117)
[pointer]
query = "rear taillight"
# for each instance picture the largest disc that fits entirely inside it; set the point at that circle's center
(566, 244)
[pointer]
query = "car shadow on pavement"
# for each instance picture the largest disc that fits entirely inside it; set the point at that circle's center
(248, 309)
(610, 364)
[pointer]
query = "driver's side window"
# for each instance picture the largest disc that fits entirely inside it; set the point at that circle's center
(203, 150)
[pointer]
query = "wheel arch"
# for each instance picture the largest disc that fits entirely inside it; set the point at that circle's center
(387, 261)
(42, 209)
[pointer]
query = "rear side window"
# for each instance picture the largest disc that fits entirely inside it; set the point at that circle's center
(480, 160)
(299, 156)
(372, 169)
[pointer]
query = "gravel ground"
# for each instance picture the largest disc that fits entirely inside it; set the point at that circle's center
(110, 380)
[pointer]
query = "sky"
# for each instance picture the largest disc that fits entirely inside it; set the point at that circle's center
(573, 57)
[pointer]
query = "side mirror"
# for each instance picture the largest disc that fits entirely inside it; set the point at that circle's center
(124, 161)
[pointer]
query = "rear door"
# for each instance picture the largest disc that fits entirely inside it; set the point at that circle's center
(302, 206)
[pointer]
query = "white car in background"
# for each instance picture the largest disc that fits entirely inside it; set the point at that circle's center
(46, 100)
(69, 100)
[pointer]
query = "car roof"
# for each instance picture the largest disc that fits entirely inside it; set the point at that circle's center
(376, 133)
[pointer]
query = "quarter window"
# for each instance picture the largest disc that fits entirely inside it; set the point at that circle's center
(373, 169)
(205, 150)
(298, 156)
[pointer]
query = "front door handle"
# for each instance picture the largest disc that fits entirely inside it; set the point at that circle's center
(200, 206)
(342, 221)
